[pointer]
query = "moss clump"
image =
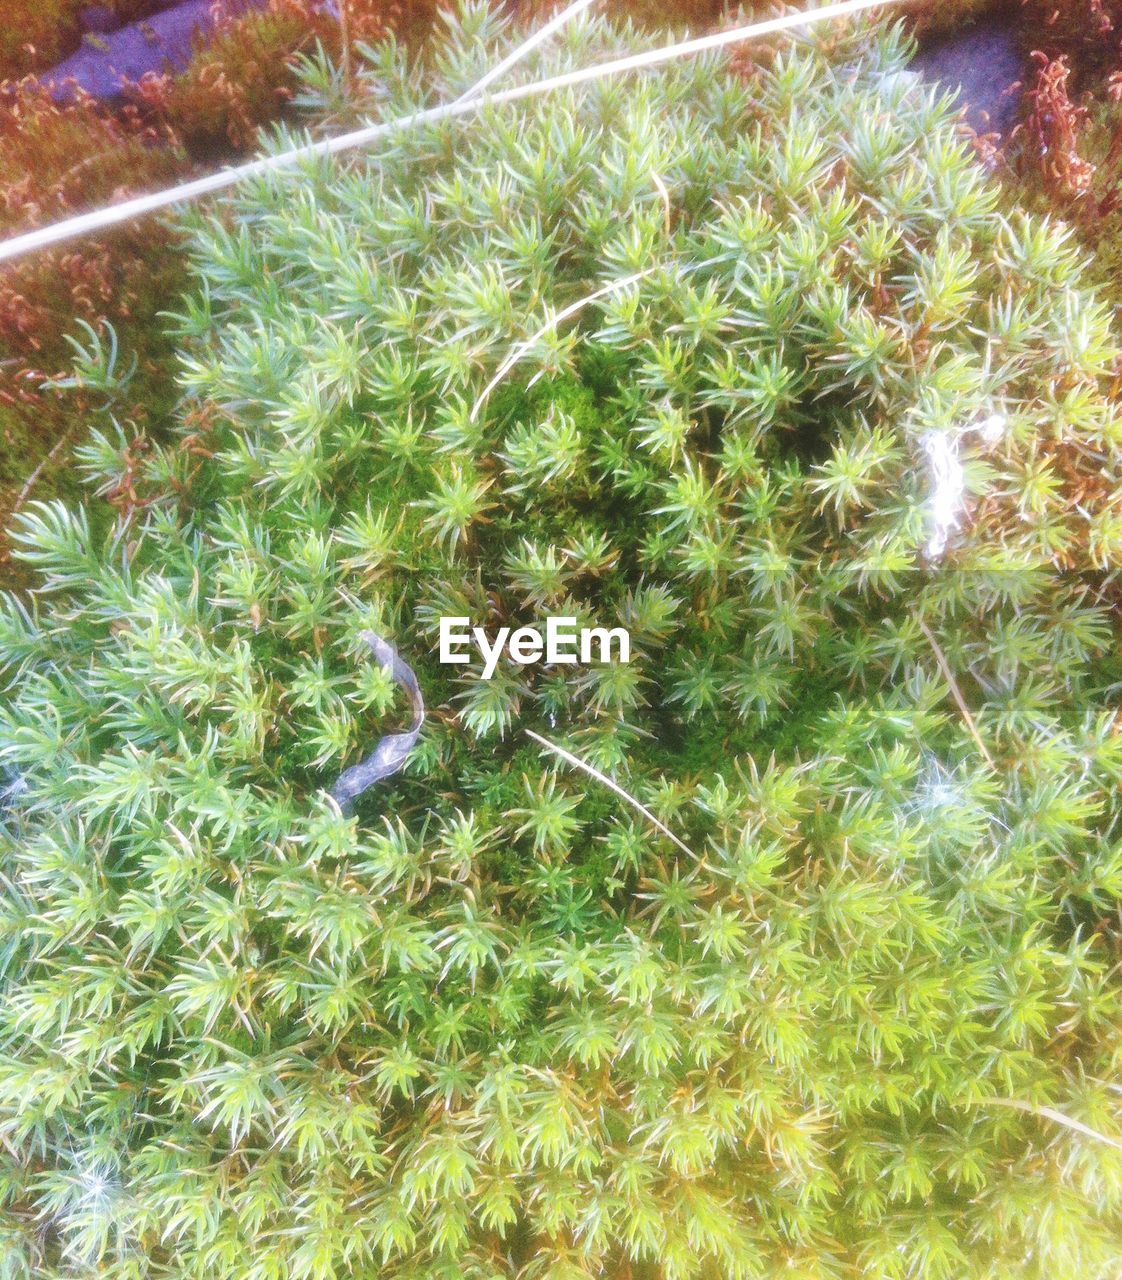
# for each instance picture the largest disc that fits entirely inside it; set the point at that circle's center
(495, 1024)
(34, 36)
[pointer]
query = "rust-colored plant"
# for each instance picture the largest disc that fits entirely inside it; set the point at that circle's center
(56, 160)
(1072, 147)
(1088, 31)
(35, 34)
(245, 74)
(1051, 130)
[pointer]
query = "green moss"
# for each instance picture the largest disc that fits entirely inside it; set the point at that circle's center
(498, 1022)
(32, 468)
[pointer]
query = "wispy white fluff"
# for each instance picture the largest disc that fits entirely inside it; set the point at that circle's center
(938, 789)
(947, 502)
(91, 1210)
(941, 795)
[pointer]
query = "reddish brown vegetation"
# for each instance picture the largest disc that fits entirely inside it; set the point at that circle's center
(1088, 31)
(245, 75)
(1052, 130)
(1067, 152)
(56, 160)
(35, 34)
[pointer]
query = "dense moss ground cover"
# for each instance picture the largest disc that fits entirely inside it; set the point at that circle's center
(494, 1024)
(244, 80)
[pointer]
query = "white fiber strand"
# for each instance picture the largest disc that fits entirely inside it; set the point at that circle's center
(946, 504)
(528, 345)
(948, 489)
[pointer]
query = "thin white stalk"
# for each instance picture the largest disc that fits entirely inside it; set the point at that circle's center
(613, 286)
(956, 692)
(532, 341)
(1050, 1113)
(593, 772)
(527, 47)
(100, 219)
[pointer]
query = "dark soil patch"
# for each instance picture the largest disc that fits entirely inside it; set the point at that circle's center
(105, 64)
(986, 62)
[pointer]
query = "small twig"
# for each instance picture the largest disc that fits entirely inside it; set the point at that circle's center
(522, 348)
(956, 692)
(1049, 1113)
(528, 46)
(34, 476)
(612, 786)
(665, 194)
(571, 310)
